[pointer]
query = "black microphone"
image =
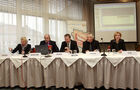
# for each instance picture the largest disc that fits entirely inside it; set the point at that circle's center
(102, 39)
(25, 55)
(103, 49)
(29, 41)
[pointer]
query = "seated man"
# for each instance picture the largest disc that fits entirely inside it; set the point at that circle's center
(90, 44)
(48, 42)
(68, 45)
(23, 48)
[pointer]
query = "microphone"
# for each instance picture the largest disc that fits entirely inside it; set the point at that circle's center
(103, 49)
(29, 41)
(102, 39)
(25, 55)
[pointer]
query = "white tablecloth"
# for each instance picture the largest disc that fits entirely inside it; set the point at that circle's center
(116, 71)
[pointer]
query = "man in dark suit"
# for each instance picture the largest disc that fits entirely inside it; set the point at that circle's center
(49, 42)
(68, 45)
(23, 48)
(90, 44)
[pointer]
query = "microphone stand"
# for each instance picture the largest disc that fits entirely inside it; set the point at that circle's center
(103, 49)
(24, 55)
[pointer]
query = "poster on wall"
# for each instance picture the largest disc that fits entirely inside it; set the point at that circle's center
(78, 31)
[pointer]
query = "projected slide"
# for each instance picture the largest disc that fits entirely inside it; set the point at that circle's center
(113, 17)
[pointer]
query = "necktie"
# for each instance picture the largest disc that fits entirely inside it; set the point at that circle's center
(90, 47)
(68, 45)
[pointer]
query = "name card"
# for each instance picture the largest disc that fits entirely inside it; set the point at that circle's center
(129, 53)
(4, 56)
(60, 53)
(35, 55)
(75, 54)
(93, 53)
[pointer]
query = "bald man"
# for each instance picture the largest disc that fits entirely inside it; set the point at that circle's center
(90, 44)
(48, 41)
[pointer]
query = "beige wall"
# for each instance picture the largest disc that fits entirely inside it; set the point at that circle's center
(138, 20)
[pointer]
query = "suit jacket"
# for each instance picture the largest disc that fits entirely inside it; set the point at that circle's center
(119, 46)
(19, 49)
(53, 43)
(94, 45)
(73, 46)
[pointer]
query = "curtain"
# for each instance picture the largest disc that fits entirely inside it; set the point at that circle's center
(60, 12)
(138, 20)
(34, 18)
(57, 29)
(88, 15)
(8, 23)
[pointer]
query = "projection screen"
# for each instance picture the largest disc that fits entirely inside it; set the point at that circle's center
(113, 17)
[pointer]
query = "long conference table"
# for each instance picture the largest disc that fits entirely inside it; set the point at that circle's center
(67, 70)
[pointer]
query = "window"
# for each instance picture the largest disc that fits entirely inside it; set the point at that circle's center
(8, 31)
(32, 28)
(57, 30)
